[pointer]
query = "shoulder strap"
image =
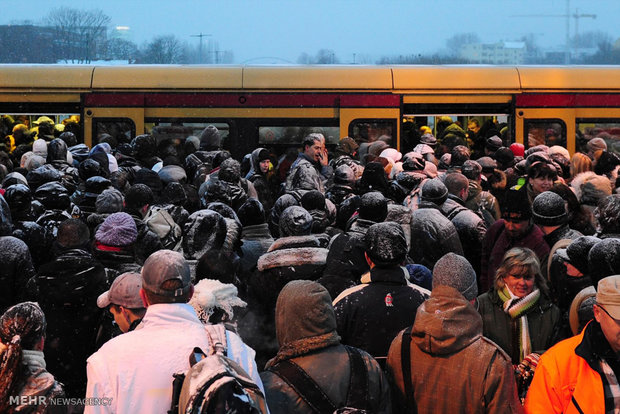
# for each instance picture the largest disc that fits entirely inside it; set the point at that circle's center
(217, 339)
(304, 386)
(405, 356)
(357, 395)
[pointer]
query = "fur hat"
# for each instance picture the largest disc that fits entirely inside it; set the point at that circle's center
(386, 244)
(435, 191)
(373, 207)
(211, 294)
(295, 221)
(118, 229)
(590, 188)
(578, 250)
(455, 271)
(517, 205)
(604, 259)
(548, 209)
(471, 169)
(556, 149)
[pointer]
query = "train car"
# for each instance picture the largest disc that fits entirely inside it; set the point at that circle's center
(276, 106)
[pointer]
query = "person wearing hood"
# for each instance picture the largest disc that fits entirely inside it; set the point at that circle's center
(342, 186)
(54, 198)
(346, 153)
(57, 153)
(306, 332)
(310, 170)
(262, 176)
(427, 361)
(255, 236)
(432, 234)
(72, 281)
(371, 314)
(204, 230)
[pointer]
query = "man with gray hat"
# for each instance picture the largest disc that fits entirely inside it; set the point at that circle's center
(123, 301)
(580, 374)
(371, 314)
(135, 369)
(443, 363)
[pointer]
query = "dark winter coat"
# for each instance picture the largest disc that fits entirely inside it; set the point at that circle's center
(543, 321)
(305, 175)
(370, 315)
(446, 342)
(432, 235)
(469, 226)
(255, 240)
(17, 282)
(346, 252)
(117, 259)
(266, 185)
(71, 284)
(497, 243)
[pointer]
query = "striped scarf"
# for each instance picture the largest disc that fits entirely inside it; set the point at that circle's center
(611, 388)
(517, 308)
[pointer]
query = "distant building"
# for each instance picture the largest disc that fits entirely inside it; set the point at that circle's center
(26, 44)
(502, 53)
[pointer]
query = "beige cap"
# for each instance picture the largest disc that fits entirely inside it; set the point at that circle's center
(608, 295)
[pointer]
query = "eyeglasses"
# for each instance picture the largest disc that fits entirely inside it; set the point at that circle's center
(605, 310)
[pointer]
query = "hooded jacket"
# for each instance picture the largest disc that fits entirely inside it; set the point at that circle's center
(446, 346)
(306, 331)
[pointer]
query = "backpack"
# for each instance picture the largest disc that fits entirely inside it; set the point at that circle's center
(357, 395)
(160, 222)
(214, 383)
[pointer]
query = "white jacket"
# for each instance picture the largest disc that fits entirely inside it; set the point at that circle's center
(135, 369)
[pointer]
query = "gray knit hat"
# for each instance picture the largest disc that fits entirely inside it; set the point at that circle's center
(455, 271)
(434, 190)
(109, 201)
(548, 209)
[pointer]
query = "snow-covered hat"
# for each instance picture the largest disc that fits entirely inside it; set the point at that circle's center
(211, 294)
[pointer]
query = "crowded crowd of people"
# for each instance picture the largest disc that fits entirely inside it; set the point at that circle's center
(461, 276)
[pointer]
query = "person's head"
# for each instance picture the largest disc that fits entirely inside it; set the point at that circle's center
(541, 176)
(109, 201)
(295, 221)
(123, 300)
(577, 254)
(166, 278)
(117, 230)
(457, 185)
(472, 170)
(607, 213)
(604, 259)
(25, 320)
(73, 233)
(549, 211)
(473, 125)
(519, 271)
(215, 302)
(517, 213)
(607, 309)
(595, 144)
(251, 213)
(456, 271)
(434, 191)
(459, 155)
(579, 163)
(373, 207)
(304, 310)
(313, 146)
(138, 198)
(386, 245)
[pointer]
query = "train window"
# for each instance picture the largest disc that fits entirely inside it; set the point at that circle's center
(58, 123)
(608, 129)
(123, 129)
(547, 132)
(177, 130)
(294, 135)
(370, 130)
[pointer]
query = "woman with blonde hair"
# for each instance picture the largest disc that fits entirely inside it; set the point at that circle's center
(579, 163)
(517, 313)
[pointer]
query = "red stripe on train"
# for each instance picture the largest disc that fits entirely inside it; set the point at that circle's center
(569, 100)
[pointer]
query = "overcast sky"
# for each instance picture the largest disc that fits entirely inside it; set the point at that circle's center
(254, 29)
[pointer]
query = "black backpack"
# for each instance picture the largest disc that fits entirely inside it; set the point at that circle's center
(357, 395)
(214, 383)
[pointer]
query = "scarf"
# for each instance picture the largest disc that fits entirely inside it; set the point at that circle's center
(304, 346)
(517, 308)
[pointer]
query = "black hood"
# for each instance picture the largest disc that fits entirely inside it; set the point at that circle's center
(57, 151)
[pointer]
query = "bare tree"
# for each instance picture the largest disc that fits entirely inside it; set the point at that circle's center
(122, 49)
(164, 50)
(78, 33)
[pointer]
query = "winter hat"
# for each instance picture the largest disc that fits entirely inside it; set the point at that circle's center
(53, 196)
(505, 157)
(118, 230)
(204, 230)
(172, 173)
(295, 221)
(548, 209)
(109, 201)
(164, 265)
(149, 178)
(517, 149)
(578, 250)
(428, 139)
(313, 200)
(89, 168)
(251, 213)
(455, 271)
(537, 148)
(392, 154)
(174, 193)
(413, 162)
(13, 178)
(608, 294)
(516, 206)
(606, 163)
(39, 147)
(344, 175)
(420, 275)
(430, 169)
(125, 291)
(230, 171)
(373, 207)
(346, 210)
(596, 144)
(386, 244)
(34, 162)
(556, 149)
(210, 139)
(377, 147)
(434, 191)
(494, 143)
(471, 169)
(212, 294)
(144, 146)
(347, 146)
(423, 149)
(590, 188)
(604, 259)
(444, 161)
